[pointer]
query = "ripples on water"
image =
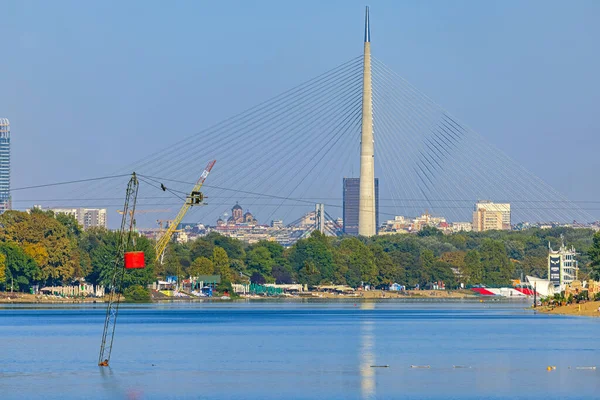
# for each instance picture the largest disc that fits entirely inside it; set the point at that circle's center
(299, 351)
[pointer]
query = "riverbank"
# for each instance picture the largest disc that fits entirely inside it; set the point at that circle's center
(388, 294)
(26, 298)
(589, 309)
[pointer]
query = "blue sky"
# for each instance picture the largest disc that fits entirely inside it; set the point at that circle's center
(89, 86)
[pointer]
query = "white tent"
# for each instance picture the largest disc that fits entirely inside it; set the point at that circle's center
(543, 286)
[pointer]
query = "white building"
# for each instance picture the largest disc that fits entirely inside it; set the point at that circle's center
(562, 265)
(86, 217)
(461, 226)
(277, 223)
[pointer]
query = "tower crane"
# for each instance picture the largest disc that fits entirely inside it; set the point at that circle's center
(194, 198)
(124, 244)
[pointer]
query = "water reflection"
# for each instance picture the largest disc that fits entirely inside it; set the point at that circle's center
(113, 386)
(367, 355)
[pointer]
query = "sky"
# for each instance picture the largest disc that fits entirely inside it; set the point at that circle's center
(90, 86)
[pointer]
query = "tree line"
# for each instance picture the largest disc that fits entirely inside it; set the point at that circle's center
(40, 247)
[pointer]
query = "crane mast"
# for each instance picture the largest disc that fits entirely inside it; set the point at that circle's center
(116, 283)
(194, 198)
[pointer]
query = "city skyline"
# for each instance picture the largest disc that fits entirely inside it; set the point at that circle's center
(383, 24)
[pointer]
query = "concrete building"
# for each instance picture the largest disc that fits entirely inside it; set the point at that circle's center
(351, 205)
(86, 217)
(562, 265)
(489, 215)
(461, 226)
(5, 198)
(427, 220)
(484, 220)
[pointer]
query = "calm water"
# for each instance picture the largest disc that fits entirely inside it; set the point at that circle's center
(299, 351)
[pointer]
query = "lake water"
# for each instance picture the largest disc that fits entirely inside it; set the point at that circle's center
(295, 350)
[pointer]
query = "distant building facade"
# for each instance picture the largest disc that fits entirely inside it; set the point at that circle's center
(239, 217)
(562, 265)
(491, 216)
(86, 217)
(461, 226)
(5, 199)
(351, 196)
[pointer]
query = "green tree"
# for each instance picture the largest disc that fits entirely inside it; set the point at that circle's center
(44, 239)
(201, 247)
(497, 267)
(21, 271)
(2, 268)
(260, 260)
(472, 272)
(535, 266)
(137, 294)
(426, 262)
(429, 231)
(101, 245)
(313, 260)
(221, 262)
(74, 230)
(442, 272)
(388, 271)
(594, 255)
(357, 261)
(202, 266)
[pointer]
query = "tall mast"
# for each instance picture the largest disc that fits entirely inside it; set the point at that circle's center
(366, 212)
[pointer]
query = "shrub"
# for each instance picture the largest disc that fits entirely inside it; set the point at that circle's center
(137, 294)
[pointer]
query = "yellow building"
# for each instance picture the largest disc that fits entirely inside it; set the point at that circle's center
(491, 216)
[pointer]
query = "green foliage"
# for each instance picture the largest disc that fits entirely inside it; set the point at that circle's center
(202, 266)
(473, 269)
(426, 262)
(260, 260)
(312, 260)
(594, 254)
(221, 263)
(137, 294)
(20, 270)
(2, 268)
(355, 261)
(101, 246)
(43, 238)
(496, 266)
(40, 247)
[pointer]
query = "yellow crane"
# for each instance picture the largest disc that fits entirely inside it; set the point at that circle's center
(194, 198)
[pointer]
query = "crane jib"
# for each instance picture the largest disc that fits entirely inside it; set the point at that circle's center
(194, 198)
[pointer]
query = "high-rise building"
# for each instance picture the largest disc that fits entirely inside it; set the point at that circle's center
(5, 202)
(86, 217)
(491, 216)
(351, 199)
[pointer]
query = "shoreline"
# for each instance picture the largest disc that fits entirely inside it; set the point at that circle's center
(433, 296)
(588, 309)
